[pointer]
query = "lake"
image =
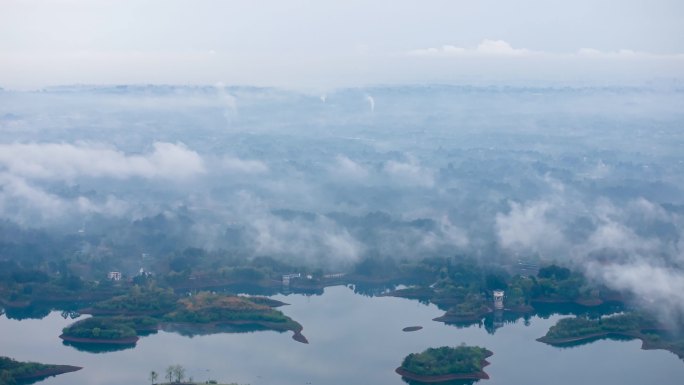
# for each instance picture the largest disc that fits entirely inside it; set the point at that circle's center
(353, 339)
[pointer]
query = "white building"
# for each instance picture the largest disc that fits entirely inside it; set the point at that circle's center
(288, 277)
(114, 275)
(498, 299)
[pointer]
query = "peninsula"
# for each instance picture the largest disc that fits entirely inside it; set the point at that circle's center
(578, 330)
(14, 372)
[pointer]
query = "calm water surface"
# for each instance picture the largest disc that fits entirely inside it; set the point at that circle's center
(353, 339)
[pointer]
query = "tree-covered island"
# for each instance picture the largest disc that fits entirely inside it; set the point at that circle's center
(205, 311)
(101, 330)
(446, 364)
(13, 372)
(580, 330)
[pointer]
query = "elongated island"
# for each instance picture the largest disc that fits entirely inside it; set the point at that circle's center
(579, 330)
(120, 320)
(446, 363)
(13, 372)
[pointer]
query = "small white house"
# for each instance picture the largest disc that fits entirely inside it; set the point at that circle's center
(114, 275)
(498, 299)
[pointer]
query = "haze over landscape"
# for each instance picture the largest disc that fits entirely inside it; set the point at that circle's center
(324, 135)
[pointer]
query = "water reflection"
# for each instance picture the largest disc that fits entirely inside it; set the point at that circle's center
(98, 348)
(546, 310)
(191, 330)
(453, 382)
(42, 310)
(30, 312)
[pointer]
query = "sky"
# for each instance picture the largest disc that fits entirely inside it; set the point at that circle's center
(325, 44)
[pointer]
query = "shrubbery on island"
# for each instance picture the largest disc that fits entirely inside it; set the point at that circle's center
(137, 301)
(445, 363)
(206, 308)
(571, 328)
(100, 329)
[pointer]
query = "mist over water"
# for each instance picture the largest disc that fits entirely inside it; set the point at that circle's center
(592, 177)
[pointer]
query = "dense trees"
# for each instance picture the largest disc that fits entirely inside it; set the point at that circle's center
(580, 327)
(148, 300)
(446, 360)
(554, 271)
(101, 329)
(205, 308)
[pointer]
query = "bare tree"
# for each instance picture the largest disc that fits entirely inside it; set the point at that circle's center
(179, 373)
(153, 377)
(169, 373)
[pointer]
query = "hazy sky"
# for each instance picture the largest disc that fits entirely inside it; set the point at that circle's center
(324, 44)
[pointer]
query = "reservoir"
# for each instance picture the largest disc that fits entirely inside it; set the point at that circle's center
(353, 339)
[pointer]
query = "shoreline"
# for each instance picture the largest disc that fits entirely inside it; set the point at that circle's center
(586, 302)
(412, 328)
(473, 317)
(645, 343)
(481, 375)
(98, 341)
(49, 372)
(274, 326)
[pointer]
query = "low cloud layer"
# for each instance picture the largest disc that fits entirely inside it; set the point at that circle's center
(68, 161)
(590, 177)
(486, 47)
(499, 48)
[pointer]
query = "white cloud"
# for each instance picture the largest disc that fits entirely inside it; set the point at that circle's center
(528, 227)
(237, 165)
(445, 50)
(411, 173)
(657, 287)
(63, 161)
(624, 54)
(113, 206)
(348, 169)
(613, 235)
(316, 241)
(448, 234)
(28, 204)
(16, 193)
(499, 47)
(486, 47)
(494, 48)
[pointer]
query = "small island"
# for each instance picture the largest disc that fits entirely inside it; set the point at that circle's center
(101, 330)
(209, 312)
(15, 372)
(446, 364)
(412, 328)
